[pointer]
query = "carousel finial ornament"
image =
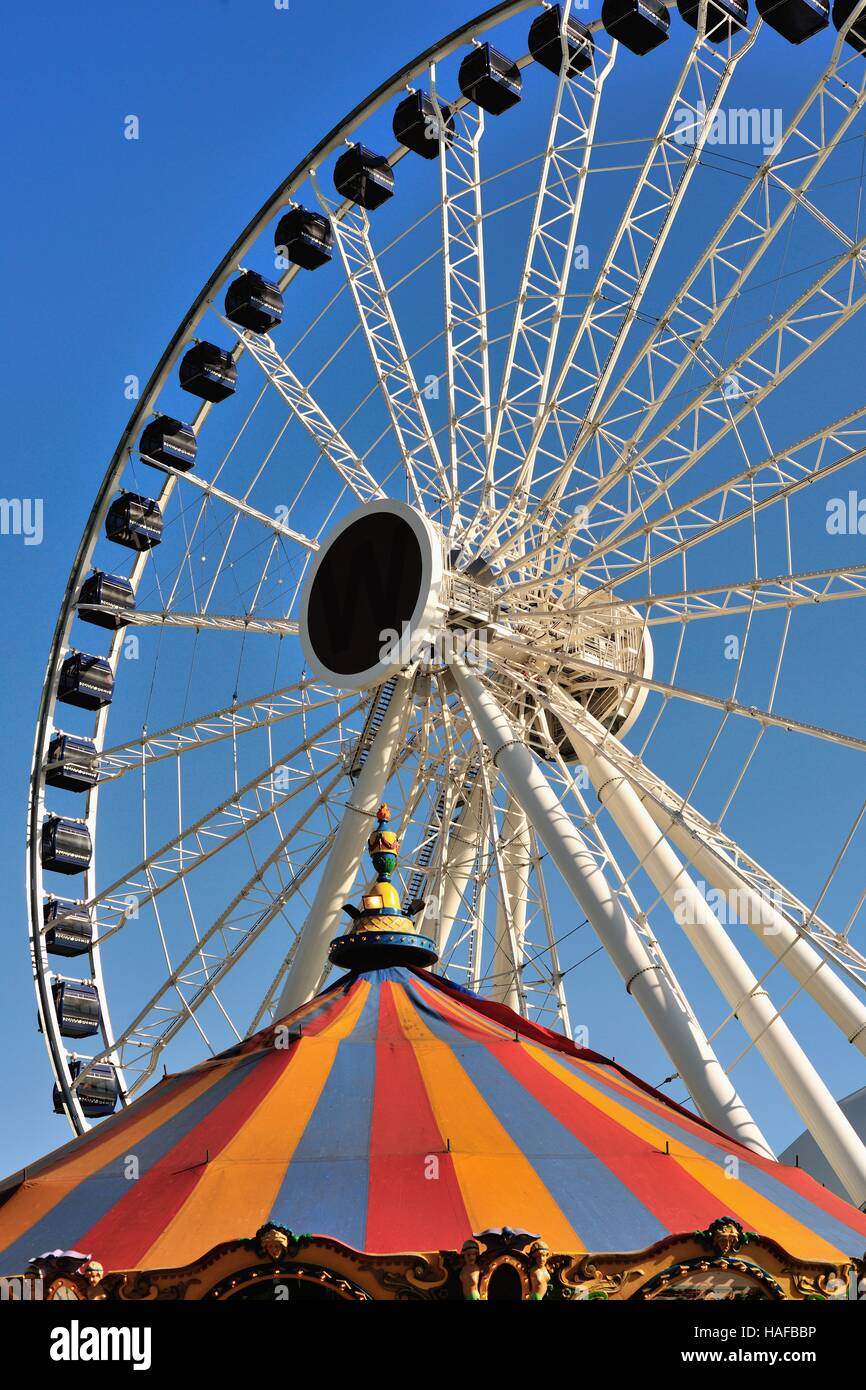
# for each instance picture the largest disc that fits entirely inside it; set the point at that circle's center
(382, 933)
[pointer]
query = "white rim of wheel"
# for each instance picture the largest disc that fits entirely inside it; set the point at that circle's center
(561, 462)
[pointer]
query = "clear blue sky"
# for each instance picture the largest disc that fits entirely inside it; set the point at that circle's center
(106, 241)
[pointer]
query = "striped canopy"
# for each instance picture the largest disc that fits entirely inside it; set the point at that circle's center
(400, 1114)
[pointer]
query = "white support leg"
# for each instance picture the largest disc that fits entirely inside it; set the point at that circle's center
(676, 1028)
(347, 850)
(515, 855)
(459, 865)
(752, 1005)
(808, 967)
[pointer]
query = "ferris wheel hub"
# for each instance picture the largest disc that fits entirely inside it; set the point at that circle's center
(372, 598)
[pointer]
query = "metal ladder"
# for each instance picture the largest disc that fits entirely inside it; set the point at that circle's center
(372, 724)
(417, 881)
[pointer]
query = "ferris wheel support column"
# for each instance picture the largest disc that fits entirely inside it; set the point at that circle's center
(459, 866)
(505, 986)
(676, 1028)
(347, 850)
(775, 931)
(772, 1037)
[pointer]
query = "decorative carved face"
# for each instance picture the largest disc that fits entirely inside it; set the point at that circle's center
(540, 1254)
(727, 1238)
(470, 1252)
(275, 1244)
(93, 1272)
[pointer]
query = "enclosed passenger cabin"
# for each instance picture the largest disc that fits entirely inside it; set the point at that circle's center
(209, 372)
(134, 522)
(795, 20)
(254, 303)
(77, 1007)
(98, 1092)
(106, 600)
(422, 126)
(856, 36)
(85, 681)
(68, 927)
(65, 846)
(724, 17)
(490, 79)
(170, 442)
(305, 238)
(551, 43)
(639, 25)
(72, 763)
(364, 177)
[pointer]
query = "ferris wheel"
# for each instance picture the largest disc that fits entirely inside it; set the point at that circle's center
(489, 473)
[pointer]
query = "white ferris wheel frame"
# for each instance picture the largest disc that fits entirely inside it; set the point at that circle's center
(534, 549)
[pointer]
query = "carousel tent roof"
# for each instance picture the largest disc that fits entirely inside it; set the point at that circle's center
(403, 1114)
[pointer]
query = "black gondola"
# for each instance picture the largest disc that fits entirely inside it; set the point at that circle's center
(134, 521)
(490, 79)
(724, 17)
(168, 441)
(547, 47)
(253, 302)
(106, 600)
(97, 1093)
(69, 927)
(856, 36)
(209, 372)
(363, 176)
(65, 846)
(418, 126)
(305, 238)
(85, 681)
(77, 1007)
(795, 20)
(639, 25)
(72, 763)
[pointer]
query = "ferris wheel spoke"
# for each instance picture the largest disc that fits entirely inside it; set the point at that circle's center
(633, 254)
(748, 596)
(228, 938)
(306, 409)
(770, 360)
(531, 351)
(241, 717)
(210, 490)
(428, 480)
(766, 718)
(817, 457)
(720, 275)
(212, 832)
(206, 622)
(466, 329)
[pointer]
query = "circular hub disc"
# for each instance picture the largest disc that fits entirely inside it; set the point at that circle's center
(372, 595)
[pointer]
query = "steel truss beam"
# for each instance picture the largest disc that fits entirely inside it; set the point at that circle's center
(217, 951)
(430, 484)
(550, 252)
(305, 408)
(631, 259)
(466, 331)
